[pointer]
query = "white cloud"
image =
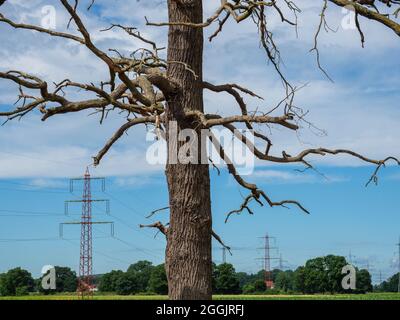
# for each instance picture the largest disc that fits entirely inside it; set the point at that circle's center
(286, 176)
(71, 161)
(47, 183)
(135, 181)
(359, 111)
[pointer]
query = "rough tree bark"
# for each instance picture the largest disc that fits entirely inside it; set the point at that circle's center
(188, 253)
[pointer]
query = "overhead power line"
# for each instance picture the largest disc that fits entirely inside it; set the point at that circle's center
(44, 160)
(27, 239)
(31, 185)
(145, 232)
(24, 213)
(35, 191)
(101, 253)
(39, 239)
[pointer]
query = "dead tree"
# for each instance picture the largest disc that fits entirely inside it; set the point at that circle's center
(152, 90)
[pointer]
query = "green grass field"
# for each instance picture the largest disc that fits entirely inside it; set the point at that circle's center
(369, 296)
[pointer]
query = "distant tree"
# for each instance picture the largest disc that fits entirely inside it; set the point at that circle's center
(315, 277)
(260, 275)
(299, 280)
(140, 266)
(2, 281)
(274, 274)
(16, 281)
(158, 280)
(390, 285)
(66, 281)
(22, 291)
(214, 277)
(243, 278)
(142, 272)
(108, 281)
(259, 286)
(334, 265)
(248, 288)
(126, 284)
(363, 283)
(226, 279)
(320, 275)
(285, 281)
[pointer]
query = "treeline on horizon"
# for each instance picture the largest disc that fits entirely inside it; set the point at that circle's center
(318, 275)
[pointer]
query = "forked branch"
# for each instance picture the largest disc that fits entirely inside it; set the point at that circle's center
(142, 95)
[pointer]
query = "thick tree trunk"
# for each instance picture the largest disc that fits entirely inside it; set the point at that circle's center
(188, 253)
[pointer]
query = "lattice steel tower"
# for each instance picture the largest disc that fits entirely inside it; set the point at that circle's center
(269, 283)
(86, 260)
(85, 280)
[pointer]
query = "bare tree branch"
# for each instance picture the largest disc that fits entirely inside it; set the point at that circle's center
(322, 23)
(118, 134)
(210, 120)
(42, 30)
(362, 10)
(156, 211)
(218, 238)
(256, 193)
(158, 225)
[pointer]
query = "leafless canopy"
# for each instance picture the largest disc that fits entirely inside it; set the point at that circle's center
(139, 88)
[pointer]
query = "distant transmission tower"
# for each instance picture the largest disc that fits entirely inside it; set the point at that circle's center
(223, 254)
(281, 262)
(351, 256)
(269, 283)
(85, 280)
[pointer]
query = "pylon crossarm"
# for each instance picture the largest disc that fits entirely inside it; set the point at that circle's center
(106, 201)
(73, 180)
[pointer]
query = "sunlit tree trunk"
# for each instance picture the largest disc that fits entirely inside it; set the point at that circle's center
(188, 253)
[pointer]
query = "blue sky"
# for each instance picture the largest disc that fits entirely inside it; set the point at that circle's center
(358, 111)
